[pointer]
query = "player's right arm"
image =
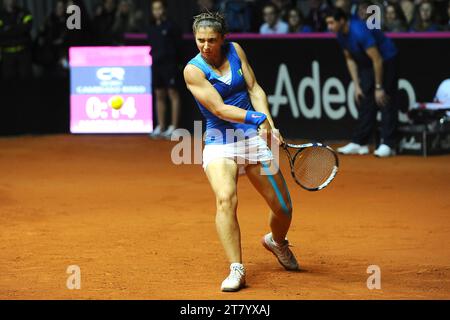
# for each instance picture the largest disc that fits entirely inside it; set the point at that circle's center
(353, 70)
(208, 96)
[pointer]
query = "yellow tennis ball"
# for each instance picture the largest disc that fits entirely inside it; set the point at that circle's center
(116, 102)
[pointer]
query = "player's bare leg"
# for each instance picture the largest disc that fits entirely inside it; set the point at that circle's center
(223, 175)
(274, 190)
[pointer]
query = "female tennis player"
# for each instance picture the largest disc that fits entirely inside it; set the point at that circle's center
(236, 110)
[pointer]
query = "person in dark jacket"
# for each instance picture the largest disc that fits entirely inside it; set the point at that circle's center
(15, 41)
(165, 40)
(104, 21)
(49, 49)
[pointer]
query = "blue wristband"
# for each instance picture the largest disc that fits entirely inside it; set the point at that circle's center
(256, 118)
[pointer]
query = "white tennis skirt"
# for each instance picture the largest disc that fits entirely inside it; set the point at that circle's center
(243, 152)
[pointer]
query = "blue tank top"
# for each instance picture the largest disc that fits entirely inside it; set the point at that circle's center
(234, 94)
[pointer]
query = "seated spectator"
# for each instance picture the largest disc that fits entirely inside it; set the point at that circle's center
(317, 13)
(425, 20)
(447, 26)
(408, 10)
(127, 20)
(206, 6)
(362, 9)
(394, 20)
(74, 37)
(104, 21)
(348, 7)
(272, 22)
(440, 11)
(83, 36)
(50, 43)
(283, 6)
(296, 22)
(238, 15)
(345, 5)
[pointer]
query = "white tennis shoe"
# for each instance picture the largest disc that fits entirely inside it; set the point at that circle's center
(354, 148)
(156, 133)
(284, 255)
(168, 133)
(384, 151)
(236, 280)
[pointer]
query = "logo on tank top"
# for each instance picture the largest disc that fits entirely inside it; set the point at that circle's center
(240, 72)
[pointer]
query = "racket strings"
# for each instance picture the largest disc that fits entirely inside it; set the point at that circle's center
(314, 166)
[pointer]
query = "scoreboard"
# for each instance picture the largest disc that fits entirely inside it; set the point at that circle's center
(99, 73)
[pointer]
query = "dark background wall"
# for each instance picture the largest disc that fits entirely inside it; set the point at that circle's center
(41, 105)
(318, 63)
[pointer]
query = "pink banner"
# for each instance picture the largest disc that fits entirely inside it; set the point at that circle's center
(110, 56)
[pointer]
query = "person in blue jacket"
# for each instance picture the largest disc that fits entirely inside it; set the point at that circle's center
(371, 59)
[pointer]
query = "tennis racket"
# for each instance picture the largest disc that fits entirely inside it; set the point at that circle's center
(313, 165)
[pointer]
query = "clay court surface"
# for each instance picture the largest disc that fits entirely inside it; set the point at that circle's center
(140, 227)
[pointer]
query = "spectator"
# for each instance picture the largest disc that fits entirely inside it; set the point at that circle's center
(127, 19)
(394, 20)
(165, 39)
(75, 37)
(408, 9)
(348, 7)
(283, 6)
(362, 9)
(317, 13)
(447, 26)
(50, 43)
(272, 22)
(15, 41)
(296, 21)
(344, 5)
(206, 6)
(440, 10)
(238, 15)
(79, 37)
(104, 21)
(425, 20)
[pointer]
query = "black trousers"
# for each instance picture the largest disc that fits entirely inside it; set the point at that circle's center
(368, 108)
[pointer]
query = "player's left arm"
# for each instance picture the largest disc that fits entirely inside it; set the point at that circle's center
(257, 95)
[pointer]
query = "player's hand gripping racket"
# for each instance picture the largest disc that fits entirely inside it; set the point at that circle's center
(313, 165)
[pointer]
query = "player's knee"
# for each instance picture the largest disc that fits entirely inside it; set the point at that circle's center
(226, 201)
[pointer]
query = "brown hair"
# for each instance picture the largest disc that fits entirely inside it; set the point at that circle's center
(213, 20)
